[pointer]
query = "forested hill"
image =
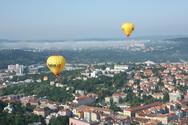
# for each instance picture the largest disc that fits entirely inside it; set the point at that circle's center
(184, 39)
(171, 50)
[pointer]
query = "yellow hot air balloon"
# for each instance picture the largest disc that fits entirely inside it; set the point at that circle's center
(127, 28)
(56, 64)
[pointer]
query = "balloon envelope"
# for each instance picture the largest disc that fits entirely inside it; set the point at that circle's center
(127, 28)
(56, 64)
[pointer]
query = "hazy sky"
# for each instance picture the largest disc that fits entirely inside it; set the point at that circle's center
(82, 19)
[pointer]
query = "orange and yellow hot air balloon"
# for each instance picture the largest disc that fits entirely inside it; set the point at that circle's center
(56, 64)
(128, 28)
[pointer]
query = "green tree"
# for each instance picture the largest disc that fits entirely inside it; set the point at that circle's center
(61, 120)
(2, 105)
(166, 97)
(29, 107)
(114, 107)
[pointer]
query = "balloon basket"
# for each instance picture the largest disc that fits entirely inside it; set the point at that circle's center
(58, 79)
